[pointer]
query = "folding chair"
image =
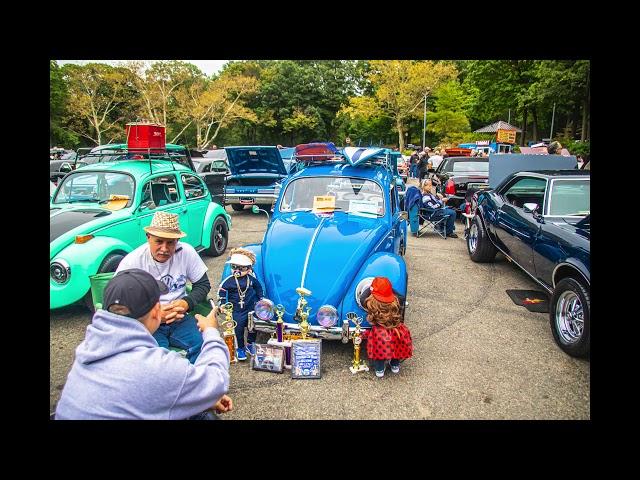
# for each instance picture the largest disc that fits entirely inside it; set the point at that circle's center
(427, 220)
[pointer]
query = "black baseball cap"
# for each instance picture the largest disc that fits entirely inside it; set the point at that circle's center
(135, 289)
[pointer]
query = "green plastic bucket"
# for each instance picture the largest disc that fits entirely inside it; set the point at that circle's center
(98, 284)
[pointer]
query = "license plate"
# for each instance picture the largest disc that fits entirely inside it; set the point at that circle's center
(478, 186)
(247, 201)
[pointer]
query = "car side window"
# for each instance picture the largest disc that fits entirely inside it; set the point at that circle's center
(393, 200)
(161, 190)
(526, 190)
(193, 186)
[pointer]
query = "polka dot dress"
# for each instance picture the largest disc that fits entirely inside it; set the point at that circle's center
(387, 344)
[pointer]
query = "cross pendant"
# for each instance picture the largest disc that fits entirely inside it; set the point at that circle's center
(241, 303)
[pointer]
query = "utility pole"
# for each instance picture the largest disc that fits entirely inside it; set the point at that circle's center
(553, 115)
(424, 123)
(509, 121)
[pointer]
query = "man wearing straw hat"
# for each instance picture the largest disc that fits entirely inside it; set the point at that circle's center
(173, 263)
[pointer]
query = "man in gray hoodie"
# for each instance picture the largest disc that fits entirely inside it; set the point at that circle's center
(120, 372)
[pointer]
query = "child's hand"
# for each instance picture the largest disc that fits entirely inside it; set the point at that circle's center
(225, 404)
(208, 321)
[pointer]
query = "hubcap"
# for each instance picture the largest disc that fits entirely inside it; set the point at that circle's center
(219, 238)
(569, 317)
(473, 238)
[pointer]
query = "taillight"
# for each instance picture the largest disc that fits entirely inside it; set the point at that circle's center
(450, 188)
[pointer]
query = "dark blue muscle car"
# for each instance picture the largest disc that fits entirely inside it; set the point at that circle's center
(541, 221)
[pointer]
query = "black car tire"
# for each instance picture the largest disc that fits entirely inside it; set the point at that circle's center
(485, 251)
(237, 207)
(219, 238)
(571, 287)
(109, 264)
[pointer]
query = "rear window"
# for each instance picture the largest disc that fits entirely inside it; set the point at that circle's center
(470, 167)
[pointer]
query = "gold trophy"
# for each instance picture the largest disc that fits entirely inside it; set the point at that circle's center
(302, 312)
(358, 365)
(229, 334)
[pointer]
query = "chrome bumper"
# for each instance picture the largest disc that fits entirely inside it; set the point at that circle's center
(257, 198)
(316, 331)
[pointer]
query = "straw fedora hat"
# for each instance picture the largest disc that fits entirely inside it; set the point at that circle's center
(165, 225)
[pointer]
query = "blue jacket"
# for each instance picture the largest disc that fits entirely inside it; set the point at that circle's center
(228, 292)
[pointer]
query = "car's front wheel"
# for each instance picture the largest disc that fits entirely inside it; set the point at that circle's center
(219, 238)
(569, 316)
(109, 264)
(479, 245)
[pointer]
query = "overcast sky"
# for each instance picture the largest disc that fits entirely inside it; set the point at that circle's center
(208, 67)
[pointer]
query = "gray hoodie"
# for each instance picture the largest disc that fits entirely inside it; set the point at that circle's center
(120, 372)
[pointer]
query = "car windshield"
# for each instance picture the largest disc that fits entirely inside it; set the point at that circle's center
(352, 195)
(570, 198)
(469, 167)
(95, 187)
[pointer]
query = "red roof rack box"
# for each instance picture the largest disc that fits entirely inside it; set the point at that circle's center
(146, 136)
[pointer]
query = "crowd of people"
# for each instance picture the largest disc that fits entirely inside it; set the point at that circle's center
(124, 368)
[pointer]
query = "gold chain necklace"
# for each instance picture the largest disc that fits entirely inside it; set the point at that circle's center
(240, 292)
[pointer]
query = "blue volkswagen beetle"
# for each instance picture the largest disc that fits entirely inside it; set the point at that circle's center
(540, 220)
(336, 225)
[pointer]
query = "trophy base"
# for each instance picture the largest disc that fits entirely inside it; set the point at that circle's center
(361, 368)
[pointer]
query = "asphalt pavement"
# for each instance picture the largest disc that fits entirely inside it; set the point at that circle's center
(477, 355)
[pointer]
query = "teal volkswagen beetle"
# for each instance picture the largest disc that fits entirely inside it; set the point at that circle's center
(98, 212)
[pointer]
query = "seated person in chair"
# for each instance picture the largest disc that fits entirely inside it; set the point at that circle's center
(434, 204)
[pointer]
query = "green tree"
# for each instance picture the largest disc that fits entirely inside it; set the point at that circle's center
(399, 87)
(449, 120)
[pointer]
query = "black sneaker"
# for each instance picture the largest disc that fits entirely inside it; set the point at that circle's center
(452, 235)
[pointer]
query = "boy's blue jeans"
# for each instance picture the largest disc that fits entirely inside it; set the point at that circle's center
(379, 364)
(182, 334)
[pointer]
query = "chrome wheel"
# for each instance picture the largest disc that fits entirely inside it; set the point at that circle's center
(473, 238)
(569, 317)
(219, 238)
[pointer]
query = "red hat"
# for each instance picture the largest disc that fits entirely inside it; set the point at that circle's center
(381, 289)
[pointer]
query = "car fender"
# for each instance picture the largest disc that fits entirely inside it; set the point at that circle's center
(571, 265)
(480, 212)
(213, 211)
(84, 260)
(381, 264)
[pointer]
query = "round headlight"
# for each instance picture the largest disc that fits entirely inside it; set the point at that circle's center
(60, 271)
(363, 286)
(327, 316)
(264, 309)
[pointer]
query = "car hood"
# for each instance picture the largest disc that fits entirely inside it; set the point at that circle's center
(336, 247)
(65, 222)
(255, 160)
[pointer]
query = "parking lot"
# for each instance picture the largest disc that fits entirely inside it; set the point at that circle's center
(477, 355)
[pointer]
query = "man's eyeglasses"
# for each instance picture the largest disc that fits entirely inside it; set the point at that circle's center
(240, 267)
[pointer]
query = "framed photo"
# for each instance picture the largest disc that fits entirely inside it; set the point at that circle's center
(269, 358)
(306, 358)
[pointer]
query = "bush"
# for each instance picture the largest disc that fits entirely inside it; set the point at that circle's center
(577, 147)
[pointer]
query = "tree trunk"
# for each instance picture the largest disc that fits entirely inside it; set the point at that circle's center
(400, 134)
(525, 117)
(534, 113)
(585, 113)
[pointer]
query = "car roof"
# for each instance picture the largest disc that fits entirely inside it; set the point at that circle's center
(340, 169)
(558, 173)
(137, 168)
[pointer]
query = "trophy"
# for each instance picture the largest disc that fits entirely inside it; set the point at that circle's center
(358, 365)
(280, 323)
(229, 334)
(302, 312)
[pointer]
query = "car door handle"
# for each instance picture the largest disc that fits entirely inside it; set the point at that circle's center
(184, 210)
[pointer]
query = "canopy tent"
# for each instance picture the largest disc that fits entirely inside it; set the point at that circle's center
(499, 125)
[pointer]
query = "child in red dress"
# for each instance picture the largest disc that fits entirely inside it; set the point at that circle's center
(389, 338)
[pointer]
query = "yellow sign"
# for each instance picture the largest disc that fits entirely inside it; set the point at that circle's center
(506, 136)
(327, 202)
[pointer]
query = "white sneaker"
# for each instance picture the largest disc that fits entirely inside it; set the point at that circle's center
(380, 373)
(395, 368)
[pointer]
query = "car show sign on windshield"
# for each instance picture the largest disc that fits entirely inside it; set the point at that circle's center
(323, 203)
(363, 206)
